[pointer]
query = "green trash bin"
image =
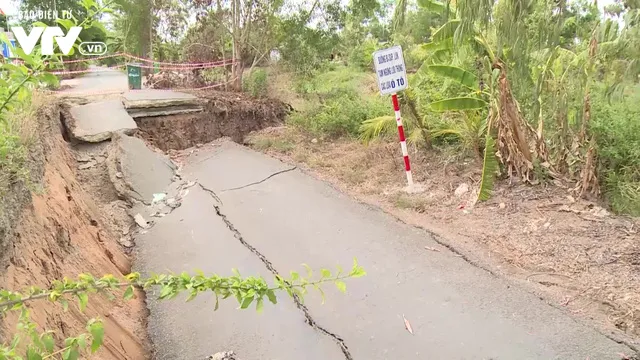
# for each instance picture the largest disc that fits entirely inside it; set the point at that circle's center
(134, 75)
(156, 68)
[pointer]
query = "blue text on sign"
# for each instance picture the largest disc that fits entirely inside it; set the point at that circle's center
(388, 57)
(392, 84)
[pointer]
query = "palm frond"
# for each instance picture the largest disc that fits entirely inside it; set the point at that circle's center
(443, 132)
(489, 168)
(415, 137)
(373, 128)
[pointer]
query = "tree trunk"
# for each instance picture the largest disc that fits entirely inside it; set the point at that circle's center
(146, 40)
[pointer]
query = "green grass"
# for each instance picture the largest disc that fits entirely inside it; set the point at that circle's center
(279, 145)
(342, 98)
(333, 78)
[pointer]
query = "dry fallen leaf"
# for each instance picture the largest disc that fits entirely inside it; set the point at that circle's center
(407, 325)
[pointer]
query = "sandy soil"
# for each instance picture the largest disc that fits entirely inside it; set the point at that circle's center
(571, 252)
(62, 232)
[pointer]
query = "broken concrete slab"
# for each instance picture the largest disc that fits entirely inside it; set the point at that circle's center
(97, 122)
(153, 98)
(136, 171)
(164, 111)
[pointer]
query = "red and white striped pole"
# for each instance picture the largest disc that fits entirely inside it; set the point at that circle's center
(403, 142)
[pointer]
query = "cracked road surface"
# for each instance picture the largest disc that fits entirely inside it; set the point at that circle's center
(236, 218)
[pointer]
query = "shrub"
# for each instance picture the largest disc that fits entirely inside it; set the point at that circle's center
(256, 83)
(341, 113)
(617, 131)
(361, 56)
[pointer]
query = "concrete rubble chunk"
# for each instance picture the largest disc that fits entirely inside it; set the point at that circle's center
(141, 221)
(164, 111)
(97, 122)
(136, 171)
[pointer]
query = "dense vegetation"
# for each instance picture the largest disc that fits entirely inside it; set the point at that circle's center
(536, 89)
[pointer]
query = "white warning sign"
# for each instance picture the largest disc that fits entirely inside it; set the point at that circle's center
(390, 70)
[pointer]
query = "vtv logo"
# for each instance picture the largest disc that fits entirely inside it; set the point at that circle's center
(65, 42)
(28, 42)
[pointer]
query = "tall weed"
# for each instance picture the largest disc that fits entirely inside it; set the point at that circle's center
(616, 127)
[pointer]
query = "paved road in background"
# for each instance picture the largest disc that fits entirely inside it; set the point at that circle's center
(101, 79)
(456, 310)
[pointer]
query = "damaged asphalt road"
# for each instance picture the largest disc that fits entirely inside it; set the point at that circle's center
(261, 216)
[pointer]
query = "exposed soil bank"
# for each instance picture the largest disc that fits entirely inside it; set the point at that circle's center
(60, 232)
(225, 114)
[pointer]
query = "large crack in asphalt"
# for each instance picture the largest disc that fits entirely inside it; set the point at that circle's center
(236, 233)
(261, 181)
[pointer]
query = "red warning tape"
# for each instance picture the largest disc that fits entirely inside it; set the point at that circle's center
(210, 66)
(107, 92)
(219, 62)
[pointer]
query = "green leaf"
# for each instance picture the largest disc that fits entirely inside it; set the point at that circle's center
(70, 354)
(309, 270)
(235, 272)
(82, 340)
(97, 335)
(320, 291)
(436, 6)
(15, 341)
(88, 4)
(341, 286)
(489, 168)
(458, 104)
(32, 354)
(325, 273)
(259, 305)
(457, 74)
(246, 302)
(272, 296)
(358, 272)
(294, 276)
(68, 24)
(83, 299)
(192, 295)
(217, 303)
(446, 31)
(432, 5)
(166, 291)
(445, 44)
(48, 342)
(128, 294)
(65, 304)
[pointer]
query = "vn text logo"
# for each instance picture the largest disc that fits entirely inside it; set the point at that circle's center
(49, 34)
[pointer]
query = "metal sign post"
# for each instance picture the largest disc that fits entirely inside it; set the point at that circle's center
(392, 78)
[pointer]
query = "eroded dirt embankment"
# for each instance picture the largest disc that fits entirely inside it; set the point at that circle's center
(59, 231)
(232, 115)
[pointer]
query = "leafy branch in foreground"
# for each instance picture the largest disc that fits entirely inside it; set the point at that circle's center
(246, 290)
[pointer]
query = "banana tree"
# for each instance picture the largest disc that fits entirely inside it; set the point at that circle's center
(505, 126)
